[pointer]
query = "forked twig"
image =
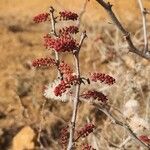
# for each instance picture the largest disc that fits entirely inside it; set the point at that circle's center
(108, 7)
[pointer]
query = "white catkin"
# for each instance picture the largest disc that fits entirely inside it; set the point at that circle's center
(131, 108)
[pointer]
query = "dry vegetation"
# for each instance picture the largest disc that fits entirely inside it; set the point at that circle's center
(105, 50)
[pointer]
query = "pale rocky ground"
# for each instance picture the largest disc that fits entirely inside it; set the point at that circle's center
(21, 86)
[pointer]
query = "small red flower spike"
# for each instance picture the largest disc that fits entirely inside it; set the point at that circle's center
(64, 136)
(104, 78)
(69, 30)
(86, 130)
(65, 84)
(93, 94)
(65, 43)
(87, 147)
(68, 15)
(41, 18)
(44, 62)
(145, 139)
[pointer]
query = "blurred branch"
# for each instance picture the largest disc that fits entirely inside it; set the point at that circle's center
(125, 142)
(122, 124)
(108, 7)
(41, 124)
(82, 12)
(144, 13)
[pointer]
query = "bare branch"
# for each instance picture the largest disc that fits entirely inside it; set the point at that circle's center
(132, 48)
(77, 93)
(122, 124)
(144, 13)
(53, 22)
(83, 36)
(125, 141)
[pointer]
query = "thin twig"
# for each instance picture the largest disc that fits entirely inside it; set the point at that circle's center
(83, 36)
(108, 7)
(76, 99)
(124, 125)
(144, 13)
(82, 13)
(53, 24)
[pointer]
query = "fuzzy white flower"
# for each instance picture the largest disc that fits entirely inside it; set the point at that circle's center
(131, 108)
(49, 92)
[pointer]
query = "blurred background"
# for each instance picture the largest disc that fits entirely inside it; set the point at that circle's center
(105, 50)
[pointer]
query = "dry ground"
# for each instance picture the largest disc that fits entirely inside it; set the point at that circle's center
(21, 86)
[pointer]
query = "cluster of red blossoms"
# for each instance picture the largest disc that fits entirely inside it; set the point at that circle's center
(41, 18)
(68, 79)
(68, 15)
(64, 136)
(65, 84)
(70, 30)
(64, 15)
(44, 62)
(83, 132)
(92, 94)
(104, 78)
(65, 43)
(86, 130)
(65, 69)
(87, 147)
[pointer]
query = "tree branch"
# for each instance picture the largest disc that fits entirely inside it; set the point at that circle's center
(144, 13)
(132, 48)
(53, 22)
(76, 99)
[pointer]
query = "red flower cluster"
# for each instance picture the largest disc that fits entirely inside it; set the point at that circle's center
(41, 17)
(86, 130)
(94, 95)
(87, 147)
(64, 136)
(65, 84)
(44, 62)
(102, 78)
(62, 44)
(65, 69)
(70, 30)
(145, 139)
(68, 15)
